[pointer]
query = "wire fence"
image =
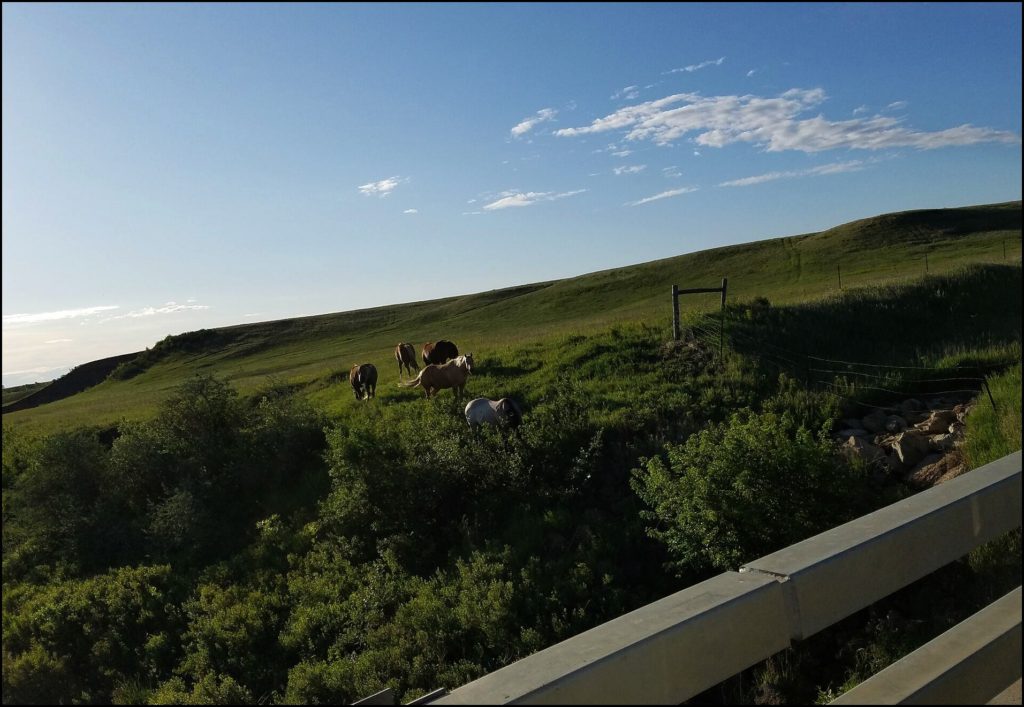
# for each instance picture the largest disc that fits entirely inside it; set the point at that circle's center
(870, 381)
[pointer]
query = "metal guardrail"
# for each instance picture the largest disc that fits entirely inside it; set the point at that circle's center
(679, 646)
(967, 665)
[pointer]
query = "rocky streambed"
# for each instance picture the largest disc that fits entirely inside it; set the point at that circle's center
(917, 441)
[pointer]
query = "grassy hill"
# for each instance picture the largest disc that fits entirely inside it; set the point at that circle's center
(314, 353)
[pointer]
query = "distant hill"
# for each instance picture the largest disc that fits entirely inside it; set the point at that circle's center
(74, 381)
(315, 352)
(18, 392)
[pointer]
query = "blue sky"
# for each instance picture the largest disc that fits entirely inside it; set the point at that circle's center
(174, 167)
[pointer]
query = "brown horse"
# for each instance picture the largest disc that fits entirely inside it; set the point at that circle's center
(438, 353)
(434, 378)
(364, 380)
(405, 354)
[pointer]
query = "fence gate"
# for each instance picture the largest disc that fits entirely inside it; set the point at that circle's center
(694, 291)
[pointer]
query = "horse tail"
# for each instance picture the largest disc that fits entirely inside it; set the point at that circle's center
(413, 383)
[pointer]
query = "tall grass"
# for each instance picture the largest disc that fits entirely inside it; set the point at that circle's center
(994, 432)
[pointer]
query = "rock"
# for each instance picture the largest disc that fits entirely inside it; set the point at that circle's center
(939, 421)
(911, 447)
(914, 418)
(911, 405)
(943, 442)
(926, 472)
(936, 469)
(895, 423)
(875, 422)
(891, 463)
(858, 447)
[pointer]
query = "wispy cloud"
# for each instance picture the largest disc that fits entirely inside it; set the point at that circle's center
(383, 187)
(24, 371)
(662, 195)
(834, 168)
(527, 124)
(169, 308)
(671, 172)
(751, 73)
(11, 320)
(696, 67)
(632, 169)
(897, 105)
(628, 93)
(860, 109)
(622, 153)
(774, 125)
(411, 211)
(510, 199)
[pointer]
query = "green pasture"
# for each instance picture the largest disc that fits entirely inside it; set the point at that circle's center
(533, 322)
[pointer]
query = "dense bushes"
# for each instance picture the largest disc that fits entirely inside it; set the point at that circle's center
(743, 489)
(246, 550)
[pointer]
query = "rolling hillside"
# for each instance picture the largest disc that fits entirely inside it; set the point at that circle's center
(314, 353)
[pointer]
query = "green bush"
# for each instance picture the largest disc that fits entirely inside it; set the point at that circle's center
(742, 489)
(78, 639)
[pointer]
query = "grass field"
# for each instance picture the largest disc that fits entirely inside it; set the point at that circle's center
(265, 538)
(313, 354)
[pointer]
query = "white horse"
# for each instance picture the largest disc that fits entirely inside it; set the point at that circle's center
(493, 412)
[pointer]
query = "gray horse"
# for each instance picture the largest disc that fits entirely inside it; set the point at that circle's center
(482, 411)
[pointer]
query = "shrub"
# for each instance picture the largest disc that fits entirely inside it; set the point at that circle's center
(742, 489)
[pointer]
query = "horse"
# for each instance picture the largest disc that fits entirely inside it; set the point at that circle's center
(438, 353)
(506, 411)
(364, 380)
(405, 354)
(434, 378)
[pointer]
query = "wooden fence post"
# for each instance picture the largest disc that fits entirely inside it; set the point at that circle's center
(675, 312)
(721, 332)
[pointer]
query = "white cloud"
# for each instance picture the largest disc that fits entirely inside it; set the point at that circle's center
(860, 109)
(622, 153)
(897, 105)
(773, 124)
(751, 73)
(168, 308)
(514, 198)
(10, 320)
(834, 168)
(663, 195)
(58, 341)
(383, 187)
(672, 171)
(697, 67)
(41, 369)
(628, 93)
(527, 124)
(411, 211)
(632, 169)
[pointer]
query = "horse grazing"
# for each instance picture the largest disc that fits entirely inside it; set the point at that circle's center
(438, 353)
(484, 411)
(434, 378)
(405, 354)
(363, 378)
